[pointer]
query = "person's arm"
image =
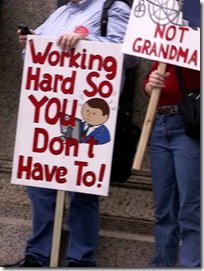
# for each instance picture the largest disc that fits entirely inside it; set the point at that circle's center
(118, 17)
(23, 39)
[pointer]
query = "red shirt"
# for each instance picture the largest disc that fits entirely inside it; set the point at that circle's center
(171, 94)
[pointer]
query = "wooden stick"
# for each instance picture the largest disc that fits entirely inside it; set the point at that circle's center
(147, 125)
(59, 211)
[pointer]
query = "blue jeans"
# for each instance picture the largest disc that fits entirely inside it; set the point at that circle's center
(83, 223)
(175, 168)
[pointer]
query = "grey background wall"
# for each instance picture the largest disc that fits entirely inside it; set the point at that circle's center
(34, 13)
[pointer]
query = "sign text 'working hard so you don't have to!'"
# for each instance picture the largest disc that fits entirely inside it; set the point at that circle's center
(67, 116)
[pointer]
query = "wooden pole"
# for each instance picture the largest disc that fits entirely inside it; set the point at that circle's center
(147, 125)
(59, 211)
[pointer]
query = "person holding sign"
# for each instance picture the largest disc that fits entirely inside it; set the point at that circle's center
(75, 21)
(175, 169)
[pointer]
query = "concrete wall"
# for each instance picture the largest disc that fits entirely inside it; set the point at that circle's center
(34, 13)
(11, 14)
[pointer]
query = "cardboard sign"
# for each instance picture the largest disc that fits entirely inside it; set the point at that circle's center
(61, 94)
(156, 31)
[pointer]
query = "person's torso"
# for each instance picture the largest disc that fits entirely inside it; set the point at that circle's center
(171, 94)
(69, 17)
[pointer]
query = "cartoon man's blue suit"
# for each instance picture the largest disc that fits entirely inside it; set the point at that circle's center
(100, 134)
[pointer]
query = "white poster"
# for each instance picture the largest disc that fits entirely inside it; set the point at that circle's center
(67, 116)
(156, 31)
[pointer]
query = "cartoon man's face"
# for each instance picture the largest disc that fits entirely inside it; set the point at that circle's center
(93, 116)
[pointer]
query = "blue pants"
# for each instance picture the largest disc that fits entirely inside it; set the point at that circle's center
(83, 223)
(175, 167)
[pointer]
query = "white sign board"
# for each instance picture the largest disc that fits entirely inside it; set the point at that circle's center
(61, 94)
(155, 31)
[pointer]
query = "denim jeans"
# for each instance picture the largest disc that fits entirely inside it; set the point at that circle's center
(83, 224)
(175, 168)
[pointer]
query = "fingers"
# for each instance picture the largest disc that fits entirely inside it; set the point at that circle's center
(69, 41)
(23, 38)
(157, 80)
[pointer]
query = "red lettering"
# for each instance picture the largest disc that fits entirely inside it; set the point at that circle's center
(85, 176)
(183, 30)
(80, 165)
(146, 47)
(53, 102)
(172, 52)
(68, 119)
(137, 48)
(67, 86)
(40, 172)
(53, 149)
(74, 144)
(39, 57)
(38, 105)
(91, 143)
(58, 78)
(89, 178)
(54, 58)
(46, 84)
(36, 140)
(171, 32)
(37, 172)
(182, 53)
(24, 168)
(92, 84)
(61, 172)
(49, 173)
(159, 30)
(34, 77)
(110, 65)
(56, 145)
(164, 51)
(194, 58)
(105, 88)
(49, 82)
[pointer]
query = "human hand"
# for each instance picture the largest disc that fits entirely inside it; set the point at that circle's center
(69, 41)
(23, 38)
(156, 80)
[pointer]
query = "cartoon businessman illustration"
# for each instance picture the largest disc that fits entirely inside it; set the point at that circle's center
(95, 112)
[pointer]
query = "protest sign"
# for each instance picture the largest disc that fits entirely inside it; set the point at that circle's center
(156, 31)
(61, 93)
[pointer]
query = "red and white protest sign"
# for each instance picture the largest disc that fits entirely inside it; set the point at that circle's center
(156, 31)
(67, 116)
